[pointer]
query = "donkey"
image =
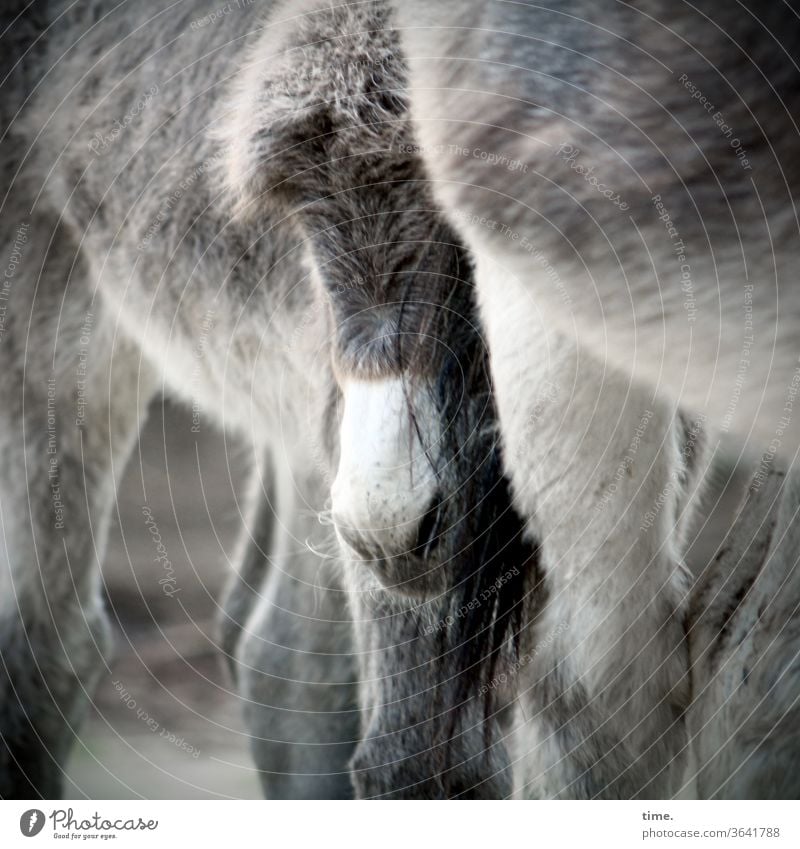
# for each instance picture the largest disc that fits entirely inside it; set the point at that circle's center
(186, 248)
(628, 171)
(308, 207)
(613, 695)
(625, 176)
(559, 521)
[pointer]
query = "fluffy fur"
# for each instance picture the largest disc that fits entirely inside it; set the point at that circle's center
(267, 200)
(633, 165)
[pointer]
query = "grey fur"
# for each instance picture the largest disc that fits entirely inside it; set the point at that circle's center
(271, 183)
(744, 651)
(620, 84)
(167, 237)
(114, 233)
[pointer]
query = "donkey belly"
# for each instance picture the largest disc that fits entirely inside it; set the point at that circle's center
(584, 162)
(737, 363)
(123, 151)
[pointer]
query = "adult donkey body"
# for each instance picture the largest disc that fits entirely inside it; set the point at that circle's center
(620, 663)
(625, 174)
(616, 699)
(169, 236)
(628, 171)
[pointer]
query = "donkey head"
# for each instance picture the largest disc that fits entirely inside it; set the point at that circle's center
(321, 134)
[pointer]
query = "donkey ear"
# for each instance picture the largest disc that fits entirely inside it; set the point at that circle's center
(277, 136)
(320, 85)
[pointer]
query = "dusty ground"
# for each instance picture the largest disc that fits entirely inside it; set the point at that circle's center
(187, 740)
(165, 721)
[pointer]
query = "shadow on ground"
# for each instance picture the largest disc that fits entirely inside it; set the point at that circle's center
(166, 722)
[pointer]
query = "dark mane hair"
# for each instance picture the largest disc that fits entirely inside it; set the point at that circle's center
(473, 533)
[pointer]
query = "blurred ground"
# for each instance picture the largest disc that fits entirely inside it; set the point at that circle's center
(166, 723)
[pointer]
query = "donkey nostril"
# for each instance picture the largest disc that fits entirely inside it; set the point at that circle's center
(428, 530)
(355, 541)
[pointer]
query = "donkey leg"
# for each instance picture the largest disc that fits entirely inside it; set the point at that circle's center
(294, 657)
(605, 477)
(66, 434)
(745, 644)
(245, 585)
(604, 675)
